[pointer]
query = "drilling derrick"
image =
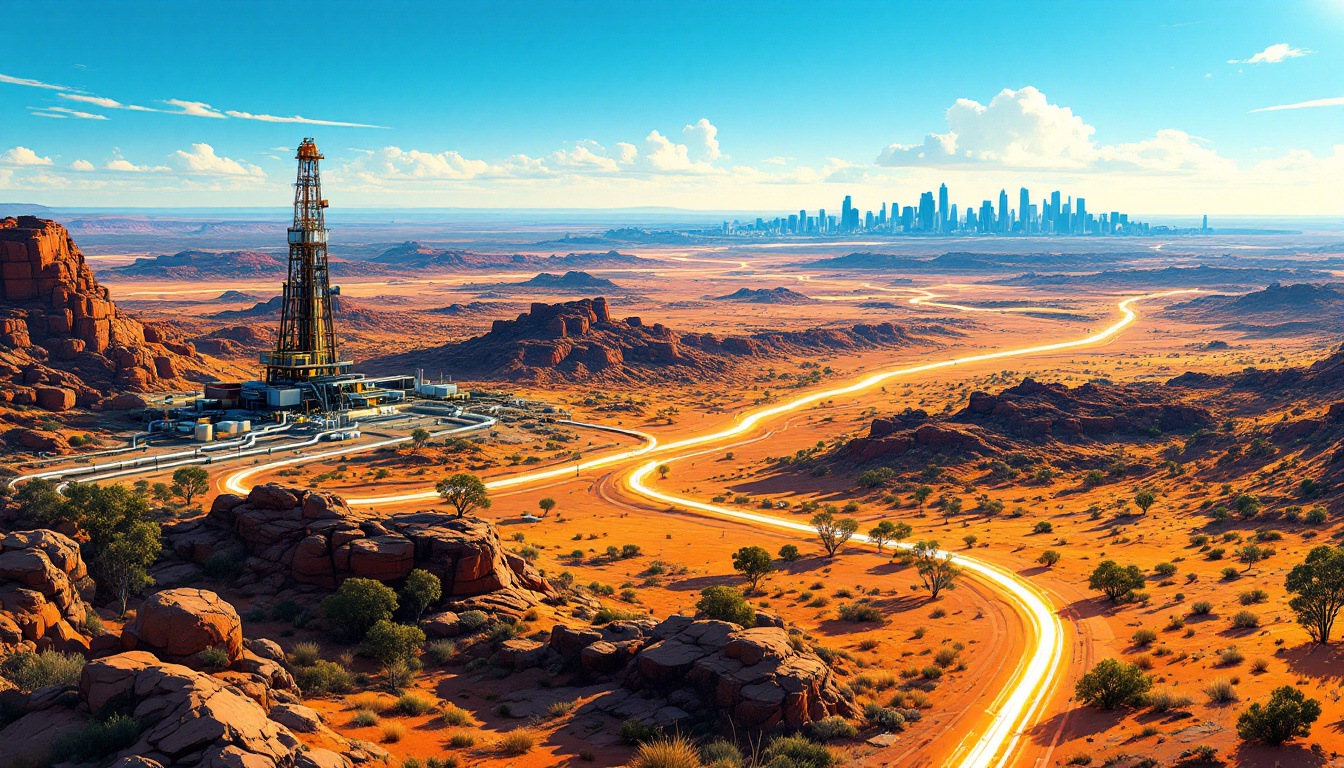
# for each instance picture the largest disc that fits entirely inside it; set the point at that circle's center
(305, 348)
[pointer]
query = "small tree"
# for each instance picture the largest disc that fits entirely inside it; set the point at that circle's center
(754, 563)
(124, 561)
(663, 471)
(726, 604)
(1144, 499)
(881, 533)
(788, 553)
(465, 492)
(190, 482)
(1112, 684)
(161, 493)
(833, 532)
(1048, 558)
(546, 505)
(902, 532)
(1317, 586)
(951, 508)
(1251, 554)
(358, 605)
(936, 572)
(1114, 580)
(419, 436)
(922, 494)
(422, 590)
(1287, 714)
(388, 642)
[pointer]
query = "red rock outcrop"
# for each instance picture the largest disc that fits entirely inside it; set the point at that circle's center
(178, 624)
(41, 573)
(1043, 411)
(59, 327)
(288, 536)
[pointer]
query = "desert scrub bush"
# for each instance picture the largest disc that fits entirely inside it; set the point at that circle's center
(518, 742)
(323, 677)
(1260, 665)
(455, 715)
(790, 751)
(858, 612)
(1112, 684)
(559, 709)
(1079, 758)
(1201, 608)
(1144, 637)
(1164, 569)
(214, 657)
(879, 680)
(1165, 700)
(1230, 656)
(1175, 622)
(1215, 554)
(820, 601)
(675, 752)
(364, 718)
(606, 615)
(29, 671)
(1245, 620)
(831, 729)
(470, 621)
(1230, 574)
(888, 719)
(305, 654)
(462, 740)
(440, 652)
(721, 753)
(945, 657)
(937, 613)
(97, 740)
(1253, 596)
(447, 761)
(393, 732)
(413, 704)
(931, 672)
(359, 604)
(635, 732)
(1220, 691)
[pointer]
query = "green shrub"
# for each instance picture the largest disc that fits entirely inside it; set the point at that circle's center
(388, 642)
(364, 718)
(214, 657)
(887, 719)
(858, 612)
(1245, 620)
(1201, 608)
(30, 671)
(518, 742)
(358, 605)
(455, 715)
(721, 753)
(470, 621)
(675, 752)
(796, 752)
(606, 615)
(305, 654)
(1112, 684)
(323, 677)
(440, 652)
(726, 604)
(97, 740)
(1144, 637)
(635, 732)
(831, 729)
(413, 704)
(222, 567)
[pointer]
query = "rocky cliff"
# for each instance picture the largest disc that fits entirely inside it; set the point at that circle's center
(61, 332)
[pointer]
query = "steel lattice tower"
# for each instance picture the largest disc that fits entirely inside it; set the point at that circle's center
(306, 345)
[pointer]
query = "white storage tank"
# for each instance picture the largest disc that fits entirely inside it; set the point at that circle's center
(245, 426)
(226, 428)
(205, 433)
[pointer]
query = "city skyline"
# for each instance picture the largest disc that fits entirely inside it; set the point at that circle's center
(1226, 108)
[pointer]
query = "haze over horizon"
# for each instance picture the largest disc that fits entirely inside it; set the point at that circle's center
(1218, 108)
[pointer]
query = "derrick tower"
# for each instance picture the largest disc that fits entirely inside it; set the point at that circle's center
(305, 348)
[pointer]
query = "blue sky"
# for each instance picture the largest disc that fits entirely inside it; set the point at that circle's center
(1146, 106)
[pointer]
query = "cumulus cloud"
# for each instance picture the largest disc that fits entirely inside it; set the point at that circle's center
(1274, 54)
(412, 164)
(120, 164)
(82, 165)
(24, 156)
(702, 141)
(585, 155)
(203, 160)
(1334, 101)
(1022, 129)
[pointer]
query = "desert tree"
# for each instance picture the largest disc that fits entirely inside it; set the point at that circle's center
(663, 471)
(1048, 558)
(1112, 684)
(1317, 587)
(833, 531)
(754, 564)
(419, 436)
(124, 561)
(465, 492)
(190, 482)
(881, 533)
(422, 590)
(1287, 714)
(1114, 580)
(546, 505)
(922, 494)
(901, 532)
(1250, 554)
(936, 570)
(1144, 499)
(951, 507)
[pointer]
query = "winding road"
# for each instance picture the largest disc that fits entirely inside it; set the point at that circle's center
(996, 742)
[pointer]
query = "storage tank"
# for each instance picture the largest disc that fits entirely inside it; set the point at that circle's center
(245, 426)
(205, 433)
(226, 428)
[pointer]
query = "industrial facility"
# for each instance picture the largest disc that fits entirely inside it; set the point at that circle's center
(304, 374)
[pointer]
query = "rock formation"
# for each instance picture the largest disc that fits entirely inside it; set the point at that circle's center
(41, 575)
(288, 537)
(1043, 411)
(178, 624)
(62, 341)
(578, 340)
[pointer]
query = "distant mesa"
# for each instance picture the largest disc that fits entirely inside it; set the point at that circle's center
(1173, 277)
(24, 209)
(570, 282)
(581, 340)
(780, 295)
(198, 265)
(468, 309)
(1278, 310)
(630, 235)
(238, 297)
(415, 254)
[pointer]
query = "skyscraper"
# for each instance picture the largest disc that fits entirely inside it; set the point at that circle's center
(1003, 210)
(942, 208)
(844, 214)
(1080, 217)
(1024, 210)
(926, 212)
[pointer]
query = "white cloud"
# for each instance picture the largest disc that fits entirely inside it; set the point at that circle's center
(586, 155)
(203, 160)
(64, 112)
(1274, 54)
(119, 164)
(195, 109)
(1334, 101)
(296, 119)
(702, 141)
(106, 103)
(30, 83)
(82, 165)
(23, 156)
(396, 163)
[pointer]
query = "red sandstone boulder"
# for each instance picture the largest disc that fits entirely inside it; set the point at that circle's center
(177, 624)
(54, 398)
